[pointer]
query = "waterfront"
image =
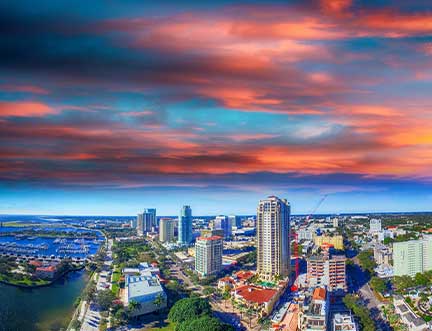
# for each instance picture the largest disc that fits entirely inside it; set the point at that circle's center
(40, 309)
(42, 246)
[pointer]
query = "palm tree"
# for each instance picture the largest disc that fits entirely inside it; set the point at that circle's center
(159, 300)
(250, 313)
(133, 306)
(226, 297)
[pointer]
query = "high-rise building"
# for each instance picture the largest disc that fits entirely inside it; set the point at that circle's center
(208, 255)
(273, 242)
(223, 223)
(133, 223)
(166, 230)
(326, 270)
(236, 221)
(413, 256)
(185, 226)
(375, 225)
(146, 221)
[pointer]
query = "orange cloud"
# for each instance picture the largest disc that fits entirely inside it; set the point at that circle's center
(24, 109)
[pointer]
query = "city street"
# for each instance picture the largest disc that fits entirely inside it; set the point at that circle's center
(359, 284)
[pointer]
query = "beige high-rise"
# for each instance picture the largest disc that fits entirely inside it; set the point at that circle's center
(166, 230)
(273, 238)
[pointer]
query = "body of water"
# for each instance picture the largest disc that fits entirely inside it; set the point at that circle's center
(43, 246)
(40, 309)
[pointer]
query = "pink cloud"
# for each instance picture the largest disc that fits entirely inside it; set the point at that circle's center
(25, 109)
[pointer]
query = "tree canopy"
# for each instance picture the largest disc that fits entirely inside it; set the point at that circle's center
(188, 309)
(204, 323)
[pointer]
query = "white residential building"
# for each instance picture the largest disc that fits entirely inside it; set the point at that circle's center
(344, 322)
(145, 290)
(375, 226)
(208, 255)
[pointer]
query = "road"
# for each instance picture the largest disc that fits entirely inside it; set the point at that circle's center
(360, 285)
(92, 317)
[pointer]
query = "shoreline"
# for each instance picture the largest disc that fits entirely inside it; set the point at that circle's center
(51, 282)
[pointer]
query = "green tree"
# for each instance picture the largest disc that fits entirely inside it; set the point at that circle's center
(188, 309)
(226, 296)
(421, 279)
(378, 284)
(208, 290)
(204, 323)
(105, 298)
(366, 261)
(159, 300)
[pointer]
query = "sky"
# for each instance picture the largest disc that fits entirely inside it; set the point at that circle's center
(109, 107)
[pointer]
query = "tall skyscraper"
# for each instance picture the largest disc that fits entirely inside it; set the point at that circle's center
(223, 223)
(273, 242)
(235, 221)
(208, 255)
(413, 256)
(185, 226)
(146, 221)
(166, 230)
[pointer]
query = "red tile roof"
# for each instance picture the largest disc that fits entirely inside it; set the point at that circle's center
(50, 268)
(36, 263)
(244, 275)
(255, 294)
(319, 294)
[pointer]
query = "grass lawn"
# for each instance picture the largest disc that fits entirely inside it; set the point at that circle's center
(25, 281)
(115, 289)
(116, 276)
(169, 327)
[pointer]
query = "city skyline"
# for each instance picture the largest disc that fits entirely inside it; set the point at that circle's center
(105, 109)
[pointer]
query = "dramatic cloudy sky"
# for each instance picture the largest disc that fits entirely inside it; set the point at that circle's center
(107, 107)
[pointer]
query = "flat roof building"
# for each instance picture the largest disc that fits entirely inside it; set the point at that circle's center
(344, 322)
(144, 290)
(327, 270)
(208, 255)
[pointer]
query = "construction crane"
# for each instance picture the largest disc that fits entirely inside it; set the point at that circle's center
(294, 235)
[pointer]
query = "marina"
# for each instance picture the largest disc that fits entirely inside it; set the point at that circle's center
(40, 247)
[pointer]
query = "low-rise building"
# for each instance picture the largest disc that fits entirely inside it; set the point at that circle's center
(46, 272)
(335, 241)
(382, 254)
(260, 298)
(145, 290)
(407, 315)
(314, 311)
(344, 322)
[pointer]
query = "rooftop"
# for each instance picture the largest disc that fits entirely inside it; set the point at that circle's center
(255, 294)
(319, 293)
(140, 286)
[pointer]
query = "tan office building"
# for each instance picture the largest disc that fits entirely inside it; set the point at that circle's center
(273, 238)
(166, 230)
